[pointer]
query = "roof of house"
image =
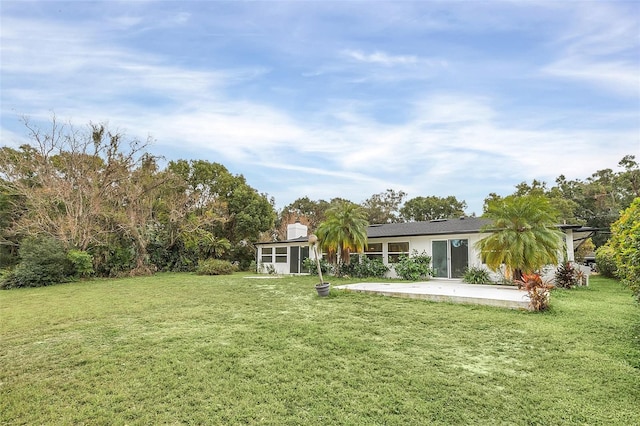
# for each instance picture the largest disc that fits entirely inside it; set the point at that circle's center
(462, 225)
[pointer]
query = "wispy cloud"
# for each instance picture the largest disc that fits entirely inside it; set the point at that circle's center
(601, 48)
(451, 100)
(381, 58)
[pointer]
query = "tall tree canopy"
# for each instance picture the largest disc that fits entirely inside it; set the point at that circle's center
(432, 207)
(384, 207)
(81, 187)
(595, 201)
(523, 236)
(95, 190)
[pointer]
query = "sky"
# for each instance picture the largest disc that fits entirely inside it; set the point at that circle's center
(343, 99)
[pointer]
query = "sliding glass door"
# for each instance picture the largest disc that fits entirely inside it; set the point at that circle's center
(449, 258)
(439, 259)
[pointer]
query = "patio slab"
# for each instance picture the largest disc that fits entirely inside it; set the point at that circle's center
(448, 291)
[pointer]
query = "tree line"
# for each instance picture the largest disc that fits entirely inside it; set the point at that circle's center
(594, 202)
(94, 191)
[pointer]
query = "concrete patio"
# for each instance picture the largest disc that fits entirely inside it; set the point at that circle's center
(448, 291)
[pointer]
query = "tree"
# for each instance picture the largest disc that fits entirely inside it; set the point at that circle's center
(308, 211)
(602, 196)
(560, 201)
(523, 236)
(11, 207)
(222, 206)
(344, 231)
(85, 188)
(629, 179)
(625, 243)
(432, 207)
(384, 207)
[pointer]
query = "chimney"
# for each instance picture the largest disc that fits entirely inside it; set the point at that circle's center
(296, 230)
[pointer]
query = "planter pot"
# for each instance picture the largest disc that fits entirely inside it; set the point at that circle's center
(322, 289)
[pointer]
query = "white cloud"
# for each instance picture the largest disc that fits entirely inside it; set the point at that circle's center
(620, 77)
(599, 33)
(381, 58)
(446, 139)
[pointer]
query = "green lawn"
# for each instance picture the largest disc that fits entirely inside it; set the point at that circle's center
(186, 349)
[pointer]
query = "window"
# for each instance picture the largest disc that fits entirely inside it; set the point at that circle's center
(373, 251)
(267, 255)
(395, 250)
(281, 255)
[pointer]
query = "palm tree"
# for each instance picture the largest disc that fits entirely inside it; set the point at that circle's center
(524, 235)
(344, 231)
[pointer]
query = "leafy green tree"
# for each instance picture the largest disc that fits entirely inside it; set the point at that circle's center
(629, 179)
(523, 236)
(222, 208)
(560, 200)
(384, 207)
(11, 207)
(432, 207)
(344, 231)
(625, 243)
(602, 196)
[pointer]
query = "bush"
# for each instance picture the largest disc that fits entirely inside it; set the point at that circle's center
(625, 244)
(566, 276)
(43, 261)
(365, 268)
(215, 267)
(537, 289)
(310, 265)
(476, 275)
(605, 261)
(414, 267)
(81, 263)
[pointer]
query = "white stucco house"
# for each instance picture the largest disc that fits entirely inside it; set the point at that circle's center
(449, 242)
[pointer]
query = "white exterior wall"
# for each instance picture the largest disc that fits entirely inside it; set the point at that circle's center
(423, 243)
(569, 242)
(417, 243)
(280, 268)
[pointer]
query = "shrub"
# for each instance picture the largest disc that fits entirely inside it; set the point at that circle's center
(43, 261)
(81, 263)
(605, 261)
(365, 268)
(476, 275)
(566, 276)
(215, 267)
(625, 243)
(414, 267)
(537, 289)
(310, 265)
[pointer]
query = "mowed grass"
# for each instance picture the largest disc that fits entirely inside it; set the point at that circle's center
(186, 349)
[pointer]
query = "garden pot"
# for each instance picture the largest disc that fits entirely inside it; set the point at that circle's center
(322, 289)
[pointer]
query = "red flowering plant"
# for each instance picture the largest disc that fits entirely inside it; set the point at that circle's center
(537, 289)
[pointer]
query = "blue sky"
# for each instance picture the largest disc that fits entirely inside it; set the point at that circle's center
(340, 98)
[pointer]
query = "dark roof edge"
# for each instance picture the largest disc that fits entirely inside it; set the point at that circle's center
(295, 240)
(420, 234)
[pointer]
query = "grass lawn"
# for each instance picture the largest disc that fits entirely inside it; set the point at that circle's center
(186, 349)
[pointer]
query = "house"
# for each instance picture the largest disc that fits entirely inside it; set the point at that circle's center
(449, 242)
